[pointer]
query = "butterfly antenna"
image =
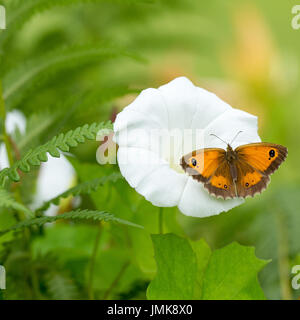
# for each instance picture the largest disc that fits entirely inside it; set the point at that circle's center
(235, 136)
(218, 138)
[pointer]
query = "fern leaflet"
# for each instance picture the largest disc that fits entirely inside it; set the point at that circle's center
(82, 188)
(21, 11)
(28, 76)
(7, 201)
(61, 142)
(74, 215)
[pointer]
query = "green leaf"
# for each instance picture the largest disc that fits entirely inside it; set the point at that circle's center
(203, 254)
(82, 188)
(232, 274)
(76, 214)
(29, 75)
(63, 142)
(36, 126)
(21, 11)
(7, 201)
(176, 269)
(190, 270)
(6, 220)
(61, 287)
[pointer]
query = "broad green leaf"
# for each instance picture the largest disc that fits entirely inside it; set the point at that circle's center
(203, 254)
(190, 270)
(232, 274)
(176, 268)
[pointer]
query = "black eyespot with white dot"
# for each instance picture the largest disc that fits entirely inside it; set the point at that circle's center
(225, 186)
(272, 153)
(194, 162)
(247, 184)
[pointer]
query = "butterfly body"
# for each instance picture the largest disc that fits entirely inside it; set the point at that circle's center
(241, 172)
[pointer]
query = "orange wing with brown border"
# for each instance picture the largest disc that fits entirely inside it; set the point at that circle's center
(221, 184)
(264, 157)
(250, 181)
(201, 164)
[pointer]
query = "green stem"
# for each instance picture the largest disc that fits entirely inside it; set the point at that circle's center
(5, 135)
(161, 220)
(283, 257)
(92, 265)
(8, 146)
(115, 282)
(35, 284)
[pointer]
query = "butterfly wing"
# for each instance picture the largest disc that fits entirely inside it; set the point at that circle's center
(201, 164)
(221, 184)
(256, 161)
(251, 170)
(264, 157)
(210, 167)
(249, 180)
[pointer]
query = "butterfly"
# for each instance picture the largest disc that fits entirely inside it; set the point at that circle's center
(242, 172)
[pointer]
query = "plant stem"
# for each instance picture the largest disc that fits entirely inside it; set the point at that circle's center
(8, 145)
(92, 264)
(5, 136)
(283, 257)
(160, 221)
(115, 282)
(35, 284)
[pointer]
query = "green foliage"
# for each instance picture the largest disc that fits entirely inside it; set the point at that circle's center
(24, 10)
(7, 201)
(30, 75)
(176, 269)
(231, 274)
(62, 142)
(36, 126)
(66, 63)
(82, 188)
(61, 287)
(73, 215)
(192, 271)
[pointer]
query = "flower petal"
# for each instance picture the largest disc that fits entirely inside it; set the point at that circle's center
(196, 202)
(177, 105)
(209, 107)
(150, 105)
(227, 125)
(181, 98)
(151, 176)
(133, 126)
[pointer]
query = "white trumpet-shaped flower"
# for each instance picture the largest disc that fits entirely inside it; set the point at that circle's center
(161, 126)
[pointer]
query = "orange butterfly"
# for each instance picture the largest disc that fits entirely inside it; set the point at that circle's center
(242, 172)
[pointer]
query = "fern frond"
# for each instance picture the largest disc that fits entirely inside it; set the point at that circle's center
(26, 77)
(82, 188)
(20, 11)
(73, 215)
(7, 201)
(37, 124)
(78, 108)
(61, 142)
(61, 286)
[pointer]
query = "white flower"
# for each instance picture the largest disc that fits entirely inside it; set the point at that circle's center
(56, 175)
(146, 162)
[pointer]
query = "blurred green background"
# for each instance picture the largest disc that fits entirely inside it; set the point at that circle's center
(67, 63)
